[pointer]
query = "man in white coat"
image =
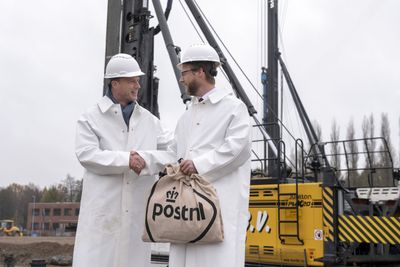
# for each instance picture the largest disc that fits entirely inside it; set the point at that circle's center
(213, 139)
(116, 180)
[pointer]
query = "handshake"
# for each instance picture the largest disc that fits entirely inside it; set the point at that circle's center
(136, 162)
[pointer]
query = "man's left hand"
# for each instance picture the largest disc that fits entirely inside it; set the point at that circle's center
(187, 167)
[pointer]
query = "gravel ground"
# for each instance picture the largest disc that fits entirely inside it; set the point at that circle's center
(25, 249)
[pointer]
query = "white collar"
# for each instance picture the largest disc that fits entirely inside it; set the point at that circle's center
(206, 95)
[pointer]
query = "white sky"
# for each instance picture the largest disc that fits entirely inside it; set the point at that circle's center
(342, 55)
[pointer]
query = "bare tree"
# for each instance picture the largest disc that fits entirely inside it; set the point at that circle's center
(335, 136)
(72, 189)
(372, 144)
(318, 130)
(69, 185)
(368, 129)
(386, 159)
(352, 154)
(385, 132)
(69, 190)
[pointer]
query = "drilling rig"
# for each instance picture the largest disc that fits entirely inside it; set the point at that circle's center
(309, 212)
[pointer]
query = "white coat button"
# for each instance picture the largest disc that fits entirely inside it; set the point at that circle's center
(123, 131)
(198, 123)
(115, 112)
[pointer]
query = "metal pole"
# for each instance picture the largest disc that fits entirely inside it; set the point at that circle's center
(225, 65)
(271, 119)
(237, 87)
(113, 33)
(312, 137)
(137, 40)
(33, 213)
(264, 82)
(308, 127)
(170, 47)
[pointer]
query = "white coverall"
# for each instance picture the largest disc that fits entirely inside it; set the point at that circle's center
(215, 134)
(111, 219)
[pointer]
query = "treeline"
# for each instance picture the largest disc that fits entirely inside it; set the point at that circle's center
(14, 198)
(366, 160)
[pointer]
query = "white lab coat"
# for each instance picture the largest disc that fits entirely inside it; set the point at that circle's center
(215, 134)
(113, 200)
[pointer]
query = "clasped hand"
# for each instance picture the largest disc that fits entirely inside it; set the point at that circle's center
(136, 162)
(187, 167)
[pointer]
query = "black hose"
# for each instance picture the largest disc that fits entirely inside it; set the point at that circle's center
(166, 13)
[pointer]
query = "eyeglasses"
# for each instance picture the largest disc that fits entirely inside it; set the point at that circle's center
(183, 72)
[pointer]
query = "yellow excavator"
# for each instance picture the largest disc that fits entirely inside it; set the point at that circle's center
(7, 228)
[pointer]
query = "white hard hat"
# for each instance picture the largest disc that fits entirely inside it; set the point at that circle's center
(199, 52)
(122, 65)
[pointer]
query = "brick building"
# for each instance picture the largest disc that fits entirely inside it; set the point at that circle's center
(60, 218)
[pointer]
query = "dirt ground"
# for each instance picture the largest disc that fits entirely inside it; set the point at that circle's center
(25, 249)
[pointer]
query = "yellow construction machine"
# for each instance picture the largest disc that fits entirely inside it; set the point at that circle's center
(7, 228)
(320, 214)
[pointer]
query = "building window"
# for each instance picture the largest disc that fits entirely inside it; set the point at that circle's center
(46, 226)
(57, 212)
(36, 212)
(76, 211)
(56, 226)
(70, 227)
(36, 226)
(46, 212)
(67, 212)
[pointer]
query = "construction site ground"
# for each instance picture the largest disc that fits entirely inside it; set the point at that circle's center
(25, 249)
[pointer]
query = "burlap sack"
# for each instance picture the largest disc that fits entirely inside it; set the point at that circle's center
(183, 209)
